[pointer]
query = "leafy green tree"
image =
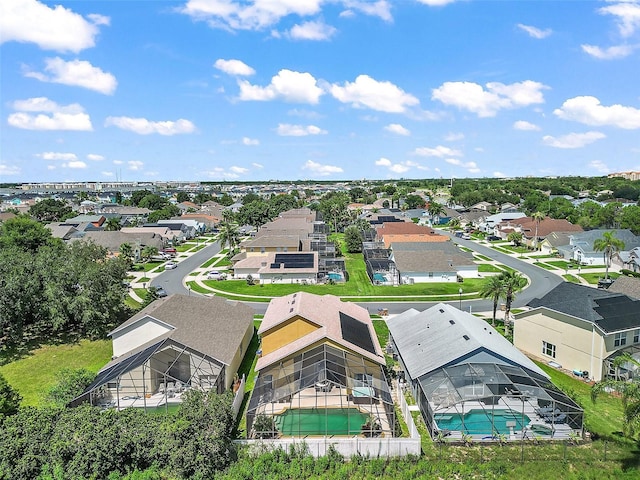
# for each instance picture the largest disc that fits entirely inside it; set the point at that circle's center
(353, 239)
(609, 215)
(126, 251)
(182, 197)
(165, 213)
(51, 210)
(255, 213)
(414, 201)
(630, 218)
(153, 201)
(608, 244)
(112, 224)
(333, 207)
(70, 384)
(138, 195)
(148, 251)
(454, 224)
(225, 200)
(629, 392)
(494, 288)
(9, 399)
(24, 233)
(515, 238)
(251, 197)
(202, 197)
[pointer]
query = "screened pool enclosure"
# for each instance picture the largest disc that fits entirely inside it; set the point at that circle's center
(323, 391)
(490, 401)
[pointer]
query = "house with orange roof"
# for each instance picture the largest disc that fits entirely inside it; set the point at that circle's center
(320, 371)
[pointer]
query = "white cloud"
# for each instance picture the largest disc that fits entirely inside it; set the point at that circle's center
(367, 92)
(118, 162)
(8, 169)
(142, 126)
(610, 53)
(499, 175)
(250, 141)
(239, 170)
(627, 16)
(599, 166)
(524, 125)
(94, 157)
(43, 104)
(98, 19)
(320, 169)
(76, 73)
(75, 164)
(590, 111)
(486, 103)
(383, 162)
(256, 15)
(535, 32)
(56, 121)
(471, 167)
(57, 156)
(397, 129)
(106, 174)
(288, 130)
(440, 152)
(287, 85)
(257, 165)
(135, 165)
(380, 8)
(454, 137)
(573, 140)
(219, 172)
(234, 67)
(397, 168)
(51, 28)
(312, 31)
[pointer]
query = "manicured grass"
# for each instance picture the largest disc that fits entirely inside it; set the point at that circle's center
(145, 267)
(483, 257)
(514, 249)
(34, 375)
(144, 280)
(593, 278)
(198, 288)
(248, 369)
(545, 266)
(132, 303)
(382, 331)
(487, 267)
(209, 262)
(604, 417)
(571, 278)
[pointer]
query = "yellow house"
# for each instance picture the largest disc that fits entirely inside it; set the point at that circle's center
(580, 328)
(320, 371)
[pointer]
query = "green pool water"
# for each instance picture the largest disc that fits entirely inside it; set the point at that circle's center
(316, 421)
(482, 422)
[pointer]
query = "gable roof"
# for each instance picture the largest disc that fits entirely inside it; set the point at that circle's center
(545, 227)
(429, 261)
(608, 310)
(396, 238)
(328, 313)
(213, 326)
(443, 334)
(629, 286)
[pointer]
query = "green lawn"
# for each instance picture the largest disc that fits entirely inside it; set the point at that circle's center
(32, 376)
(571, 278)
(487, 267)
(546, 266)
(593, 278)
(382, 331)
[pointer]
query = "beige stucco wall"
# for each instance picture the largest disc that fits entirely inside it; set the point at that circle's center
(578, 345)
(137, 334)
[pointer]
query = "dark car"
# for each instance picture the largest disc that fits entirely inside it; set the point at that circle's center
(160, 292)
(493, 238)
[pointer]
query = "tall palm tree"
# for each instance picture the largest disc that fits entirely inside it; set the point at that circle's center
(629, 392)
(454, 224)
(537, 217)
(608, 244)
(494, 289)
(435, 209)
(229, 236)
(513, 282)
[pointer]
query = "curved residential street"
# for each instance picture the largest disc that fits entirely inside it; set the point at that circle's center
(540, 280)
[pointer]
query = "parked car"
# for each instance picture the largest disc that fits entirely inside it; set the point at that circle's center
(170, 250)
(170, 265)
(466, 236)
(160, 292)
(493, 238)
(216, 275)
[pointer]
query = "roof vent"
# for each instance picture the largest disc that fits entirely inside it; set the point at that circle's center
(452, 322)
(441, 311)
(291, 310)
(466, 337)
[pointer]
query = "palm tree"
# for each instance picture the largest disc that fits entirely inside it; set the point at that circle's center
(629, 392)
(537, 217)
(608, 245)
(513, 283)
(148, 251)
(494, 289)
(454, 224)
(112, 224)
(126, 250)
(435, 209)
(229, 236)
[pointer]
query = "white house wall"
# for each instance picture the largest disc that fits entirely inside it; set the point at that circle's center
(136, 334)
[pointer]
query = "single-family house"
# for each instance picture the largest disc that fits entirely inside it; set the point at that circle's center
(278, 267)
(174, 344)
(469, 381)
(581, 245)
(580, 328)
(421, 262)
(320, 371)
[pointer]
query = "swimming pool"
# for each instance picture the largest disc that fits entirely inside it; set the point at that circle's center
(334, 276)
(319, 421)
(482, 422)
(379, 277)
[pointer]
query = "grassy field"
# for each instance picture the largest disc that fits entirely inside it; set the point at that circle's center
(593, 278)
(34, 375)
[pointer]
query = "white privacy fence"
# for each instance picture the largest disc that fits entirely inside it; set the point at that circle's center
(237, 400)
(406, 413)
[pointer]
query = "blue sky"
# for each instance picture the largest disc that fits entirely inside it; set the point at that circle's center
(216, 90)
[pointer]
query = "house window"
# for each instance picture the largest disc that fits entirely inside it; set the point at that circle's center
(549, 349)
(636, 336)
(620, 339)
(364, 380)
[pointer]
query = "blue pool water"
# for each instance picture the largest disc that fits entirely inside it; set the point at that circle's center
(379, 277)
(334, 276)
(480, 422)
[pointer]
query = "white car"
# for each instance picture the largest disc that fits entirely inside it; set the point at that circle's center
(214, 275)
(170, 265)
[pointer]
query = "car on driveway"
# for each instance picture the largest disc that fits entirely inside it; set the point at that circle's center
(216, 275)
(170, 265)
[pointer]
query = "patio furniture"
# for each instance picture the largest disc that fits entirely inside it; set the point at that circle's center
(161, 387)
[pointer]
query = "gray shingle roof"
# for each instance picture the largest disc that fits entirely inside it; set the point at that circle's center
(211, 325)
(629, 286)
(442, 335)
